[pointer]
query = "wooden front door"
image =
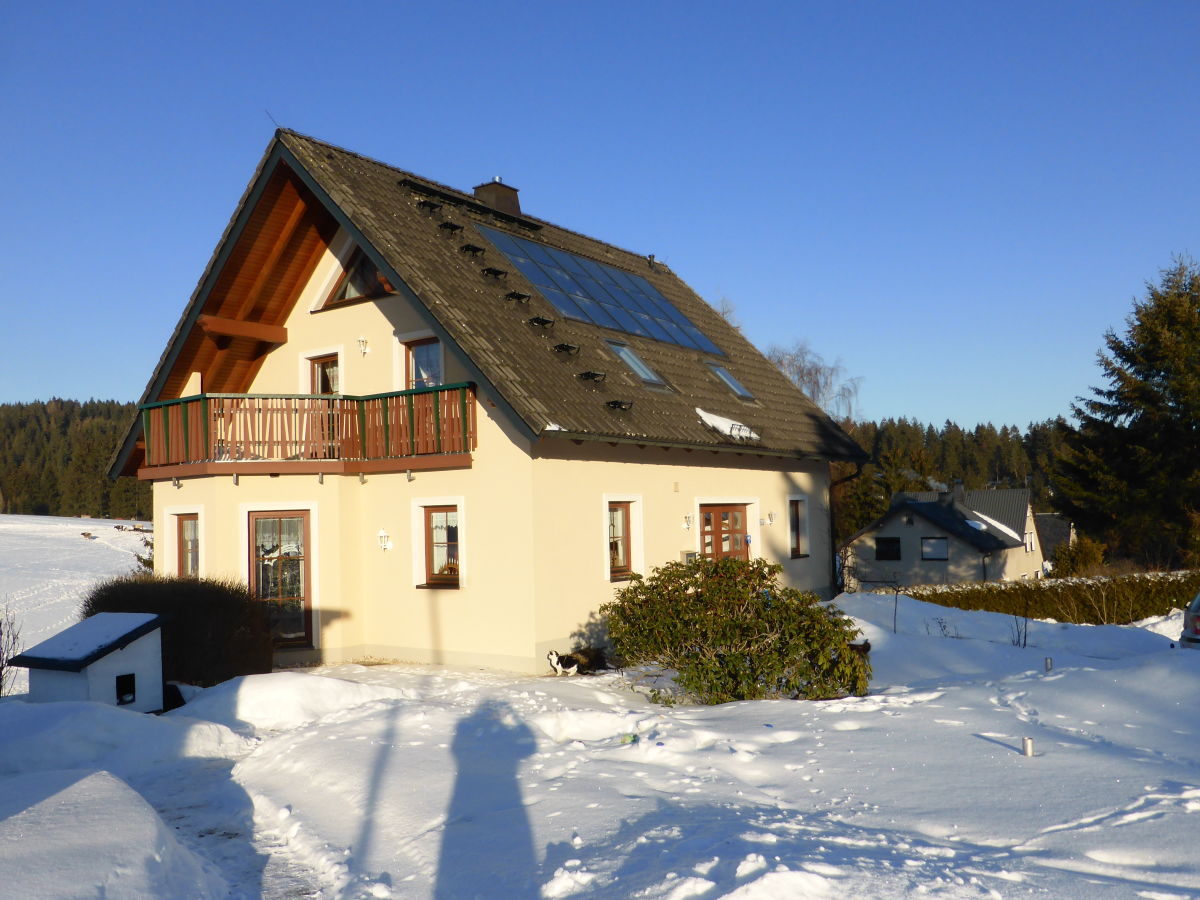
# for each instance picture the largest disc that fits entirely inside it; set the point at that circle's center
(723, 531)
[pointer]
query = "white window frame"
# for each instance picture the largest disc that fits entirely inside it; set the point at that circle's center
(637, 549)
(417, 526)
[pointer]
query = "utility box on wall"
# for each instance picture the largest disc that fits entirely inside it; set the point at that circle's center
(113, 658)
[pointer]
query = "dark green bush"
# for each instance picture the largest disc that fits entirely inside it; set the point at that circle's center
(1084, 601)
(212, 629)
(1082, 556)
(731, 631)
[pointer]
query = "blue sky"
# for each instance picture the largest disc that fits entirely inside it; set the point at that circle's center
(955, 200)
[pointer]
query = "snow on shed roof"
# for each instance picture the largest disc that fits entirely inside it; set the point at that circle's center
(77, 647)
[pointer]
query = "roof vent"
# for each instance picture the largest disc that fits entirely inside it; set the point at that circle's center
(450, 227)
(493, 272)
(592, 376)
(620, 404)
(518, 296)
(499, 196)
(540, 321)
(430, 206)
(569, 349)
(471, 250)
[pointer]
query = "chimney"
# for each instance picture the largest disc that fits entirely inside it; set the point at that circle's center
(499, 196)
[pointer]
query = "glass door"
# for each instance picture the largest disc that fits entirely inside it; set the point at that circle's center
(279, 574)
(723, 532)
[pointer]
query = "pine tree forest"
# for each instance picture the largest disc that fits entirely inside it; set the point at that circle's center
(54, 458)
(910, 456)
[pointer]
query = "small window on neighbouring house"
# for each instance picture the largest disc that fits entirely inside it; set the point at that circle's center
(441, 546)
(423, 363)
(619, 566)
(887, 548)
(1030, 542)
(798, 526)
(636, 364)
(188, 544)
(730, 382)
(935, 548)
(126, 689)
(359, 281)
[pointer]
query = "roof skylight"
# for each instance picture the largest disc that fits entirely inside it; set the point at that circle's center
(732, 383)
(636, 363)
(588, 291)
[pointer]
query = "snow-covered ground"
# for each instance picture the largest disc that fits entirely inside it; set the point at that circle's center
(419, 781)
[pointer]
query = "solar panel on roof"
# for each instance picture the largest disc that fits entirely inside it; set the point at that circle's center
(589, 291)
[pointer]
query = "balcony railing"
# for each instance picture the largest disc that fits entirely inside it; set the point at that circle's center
(305, 432)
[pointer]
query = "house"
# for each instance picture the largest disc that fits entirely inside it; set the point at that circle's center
(426, 425)
(113, 658)
(947, 537)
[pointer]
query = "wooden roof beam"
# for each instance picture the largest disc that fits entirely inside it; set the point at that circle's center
(217, 327)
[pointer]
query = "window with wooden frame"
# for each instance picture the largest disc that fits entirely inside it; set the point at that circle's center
(360, 280)
(798, 527)
(187, 543)
(325, 374)
(423, 363)
(620, 567)
(441, 546)
(280, 567)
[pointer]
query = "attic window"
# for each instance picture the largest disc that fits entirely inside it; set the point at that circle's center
(730, 382)
(360, 281)
(636, 364)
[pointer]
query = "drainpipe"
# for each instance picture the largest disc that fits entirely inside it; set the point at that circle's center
(833, 560)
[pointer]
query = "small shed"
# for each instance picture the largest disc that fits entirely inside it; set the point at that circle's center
(113, 658)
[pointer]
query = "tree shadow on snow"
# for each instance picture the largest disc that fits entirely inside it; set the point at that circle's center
(487, 819)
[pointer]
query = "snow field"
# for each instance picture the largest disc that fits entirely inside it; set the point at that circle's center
(418, 781)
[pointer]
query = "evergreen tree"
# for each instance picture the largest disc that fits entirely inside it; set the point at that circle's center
(1130, 473)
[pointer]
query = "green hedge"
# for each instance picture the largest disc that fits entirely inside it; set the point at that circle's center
(1116, 600)
(213, 630)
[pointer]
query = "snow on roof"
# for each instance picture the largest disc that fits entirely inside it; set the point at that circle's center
(992, 523)
(84, 642)
(725, 426)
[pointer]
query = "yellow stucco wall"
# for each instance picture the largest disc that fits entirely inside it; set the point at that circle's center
(532, 530)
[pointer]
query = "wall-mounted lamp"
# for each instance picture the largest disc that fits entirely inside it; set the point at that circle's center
(175, 482)
(235, 478)
(409, 475)
(385, 542)
(362, 477)
(362, 346)
(687, 521)
(770, 518)
(320, 478)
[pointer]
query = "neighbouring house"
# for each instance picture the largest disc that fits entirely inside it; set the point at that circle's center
(113, 658)
(948, 537)
(1053, 531)
(426, 425)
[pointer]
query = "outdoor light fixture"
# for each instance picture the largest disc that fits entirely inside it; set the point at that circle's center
(362, 346)
(385, 542)
(770, 518)
(175, 482)
(687, 521)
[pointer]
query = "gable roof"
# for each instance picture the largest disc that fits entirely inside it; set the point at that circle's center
(989, 520)
(1008, 506)
(304, 189)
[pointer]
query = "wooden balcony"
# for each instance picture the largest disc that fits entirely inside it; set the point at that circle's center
(207, 434)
